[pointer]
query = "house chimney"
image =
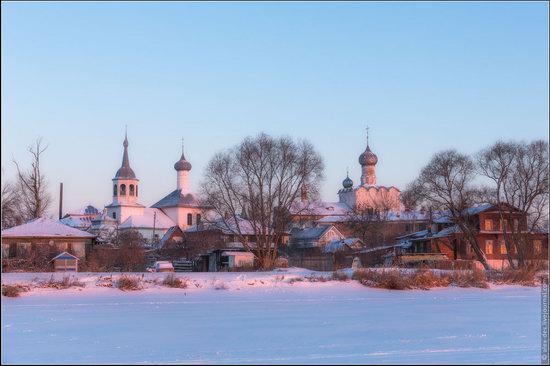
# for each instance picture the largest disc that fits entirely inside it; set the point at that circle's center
(60, 201)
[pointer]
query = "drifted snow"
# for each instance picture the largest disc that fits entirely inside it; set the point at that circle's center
(262, 318)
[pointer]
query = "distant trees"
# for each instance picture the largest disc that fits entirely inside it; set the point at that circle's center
(34, 198)
(260, 179)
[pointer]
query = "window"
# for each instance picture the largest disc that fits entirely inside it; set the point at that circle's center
(131, 189)
(489, 225)
(136, 190)
(502, 247)
(537, 246)
(516, 224)
(504, 225)
(114, 190)
(114, 215)
(13, 250)
(488, 247)
(123, 189)
(189, 219)
(198, 219)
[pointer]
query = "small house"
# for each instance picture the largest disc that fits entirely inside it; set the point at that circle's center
(65, 262)
(46, 238)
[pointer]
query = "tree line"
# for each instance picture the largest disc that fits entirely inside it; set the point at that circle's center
(261, 178)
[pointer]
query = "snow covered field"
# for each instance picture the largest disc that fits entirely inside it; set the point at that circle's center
(261, 318)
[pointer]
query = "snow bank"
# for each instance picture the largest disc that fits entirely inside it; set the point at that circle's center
(260, 318)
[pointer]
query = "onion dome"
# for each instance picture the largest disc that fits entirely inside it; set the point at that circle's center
(182, 164)
(368, 157)
(125, 172)
(347, 183)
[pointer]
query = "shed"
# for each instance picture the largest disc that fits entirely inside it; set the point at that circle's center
(65, 262)
(238, 259)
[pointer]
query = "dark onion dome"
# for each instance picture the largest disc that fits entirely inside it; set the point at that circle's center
(368, 157)
(125, 172)
(347, 183)
(182, 164)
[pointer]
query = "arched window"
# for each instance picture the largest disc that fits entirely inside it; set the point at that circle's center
(114, 190)
(198, 219)
(189, 219)
(123, 189)
(114, 215)
(136, 190)
(131, 189)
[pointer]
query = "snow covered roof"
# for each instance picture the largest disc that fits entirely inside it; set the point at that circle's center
(102, 217)
(146, 220)
(227, 226)
(478, 209)
(237, 254)
(309, 233)
(178, 198)
(88, 210)
(447, 231)
(82, 222)
(382, 247)
(319, 208)
(337, 245)
(44, 227)
(415, 235)
(168, 235)
(332, 219)
(65, 255)
(408, 216)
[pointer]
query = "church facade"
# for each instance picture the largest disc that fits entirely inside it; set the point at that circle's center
(367, 196)
(180, 207)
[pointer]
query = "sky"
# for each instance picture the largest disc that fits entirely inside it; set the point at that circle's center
(423, 76)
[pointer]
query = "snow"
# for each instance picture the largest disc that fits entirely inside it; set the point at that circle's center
(44, 227)
(262, 318)
(145, 220)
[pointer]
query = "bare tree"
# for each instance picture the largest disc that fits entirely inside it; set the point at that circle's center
(131, 256)
(519, 172)
(261, 179)
(496, 163)
(446, 184)
(35, 199)
(11, 205)
(370, 221)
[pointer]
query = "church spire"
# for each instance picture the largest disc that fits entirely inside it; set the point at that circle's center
(125, 171)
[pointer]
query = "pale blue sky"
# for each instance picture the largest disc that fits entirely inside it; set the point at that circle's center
(423, 76)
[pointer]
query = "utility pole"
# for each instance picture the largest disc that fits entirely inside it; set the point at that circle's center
(154, 226)
(60, 201)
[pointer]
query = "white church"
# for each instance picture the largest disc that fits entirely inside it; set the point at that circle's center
(180, 207)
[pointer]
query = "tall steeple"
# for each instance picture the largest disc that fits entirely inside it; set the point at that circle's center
(125, 189)
(125, 172)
